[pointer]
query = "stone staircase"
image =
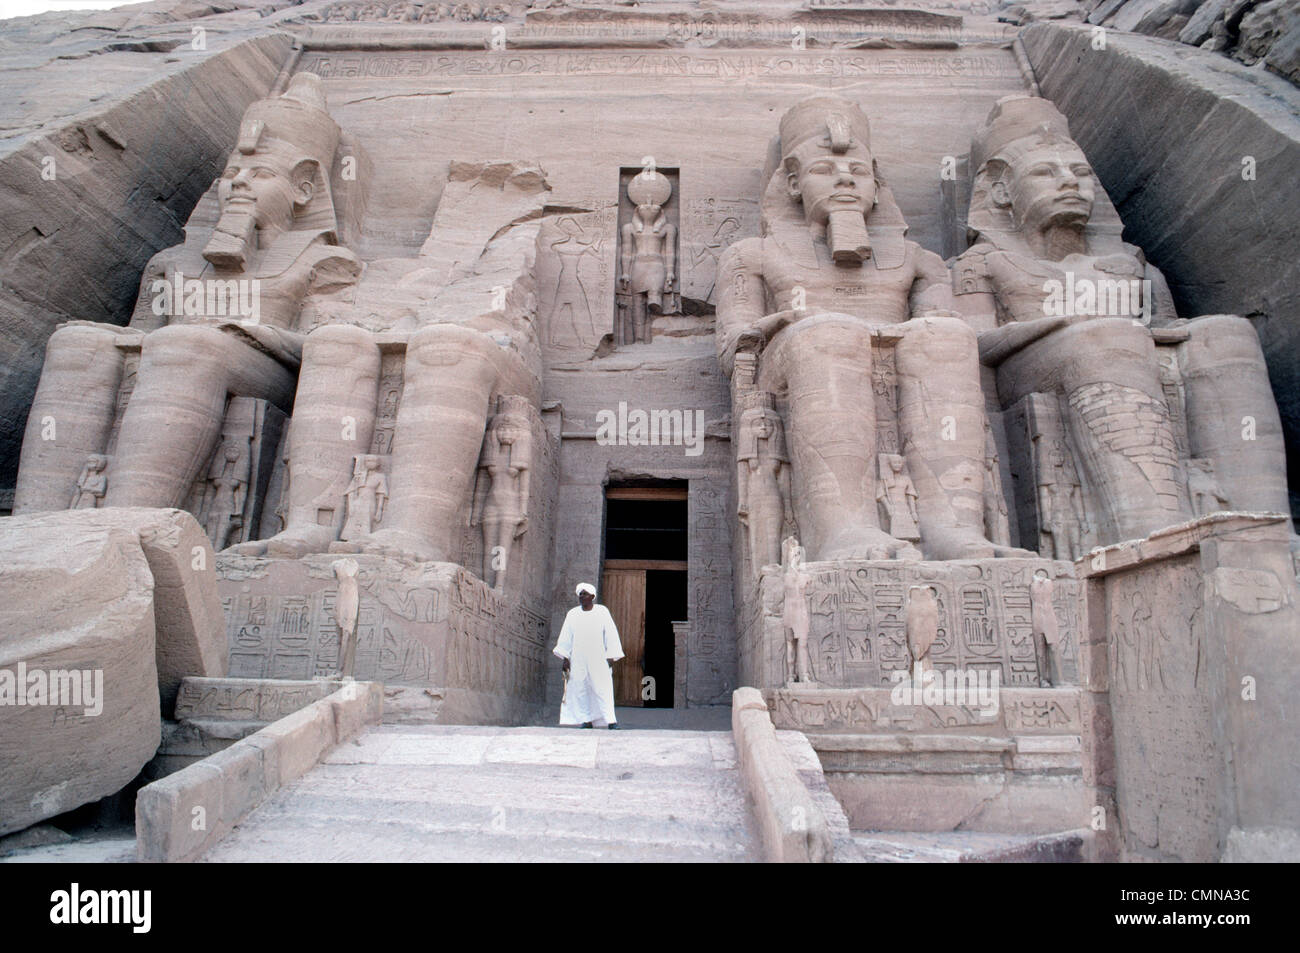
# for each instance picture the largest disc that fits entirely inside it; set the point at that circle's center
(477, 793)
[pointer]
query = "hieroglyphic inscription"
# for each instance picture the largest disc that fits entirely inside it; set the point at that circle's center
(719, 65)
(858, 630)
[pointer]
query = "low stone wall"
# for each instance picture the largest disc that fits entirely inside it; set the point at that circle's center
(1200, 623)
(432, 627)
(186, 813)
(791, 826)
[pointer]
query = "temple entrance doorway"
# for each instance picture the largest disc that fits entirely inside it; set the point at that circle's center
(643, 584)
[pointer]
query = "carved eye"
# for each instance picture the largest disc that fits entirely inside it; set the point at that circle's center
(1082, 171)
(821, 168)
(231, 172)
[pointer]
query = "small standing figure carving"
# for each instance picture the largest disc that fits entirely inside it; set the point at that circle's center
(1047, 634)
(1207, 496)
(225, 493)
(922, 623)
(365, 496)
(648, 258)
(1060, 505)
(896, 495)
(795, 616)
(997, 524)
(92, 484)
(763, 474)
(501, 486)
(282, 507)
(346, 609)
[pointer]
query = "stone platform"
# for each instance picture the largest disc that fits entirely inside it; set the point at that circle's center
(432, 627)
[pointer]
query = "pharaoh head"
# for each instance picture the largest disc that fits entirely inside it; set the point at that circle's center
(760, 422)
(511, 423)
(1028, 167)
(277, 178)
(826, 155)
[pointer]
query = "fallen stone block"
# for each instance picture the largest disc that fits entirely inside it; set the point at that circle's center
(78, 677)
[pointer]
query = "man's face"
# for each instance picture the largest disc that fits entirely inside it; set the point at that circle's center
(262, 185)
(826, 182)
(1051, 185)
(585, 599)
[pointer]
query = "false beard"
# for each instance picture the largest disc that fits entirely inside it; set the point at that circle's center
(846, 233)
(234, 235)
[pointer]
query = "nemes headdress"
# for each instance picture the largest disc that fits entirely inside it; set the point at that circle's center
(296, 125)
(838, 124)
(1016, 125)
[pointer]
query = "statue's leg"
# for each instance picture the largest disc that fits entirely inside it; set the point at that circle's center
(824, 362)
(941, 427)
(1106, 372)
(452, 373)
(1232, 416)
(74, 407)
(333, 421)
(174, 418)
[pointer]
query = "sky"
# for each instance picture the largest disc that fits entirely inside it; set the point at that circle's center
(23, 8)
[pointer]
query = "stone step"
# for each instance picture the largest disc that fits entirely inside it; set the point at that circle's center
(966, 847)
(473, 793)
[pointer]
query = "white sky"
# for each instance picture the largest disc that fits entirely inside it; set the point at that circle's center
(23, 8)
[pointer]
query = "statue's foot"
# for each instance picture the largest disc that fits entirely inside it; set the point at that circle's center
(254, 547)
(969, 544)
(301, 541)
(390, 542)
(867, 542)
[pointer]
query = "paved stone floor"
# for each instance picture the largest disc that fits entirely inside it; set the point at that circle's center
(443, 793)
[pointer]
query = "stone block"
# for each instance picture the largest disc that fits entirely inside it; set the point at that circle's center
(78, 677)
(191, 631)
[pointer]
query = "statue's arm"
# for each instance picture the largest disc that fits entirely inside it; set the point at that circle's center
(932, 286)
(787, 497)
(741, 298)
(625, 258)
(1163, 312)
(670, 256)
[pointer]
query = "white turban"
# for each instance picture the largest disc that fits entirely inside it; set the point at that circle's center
(585, 587)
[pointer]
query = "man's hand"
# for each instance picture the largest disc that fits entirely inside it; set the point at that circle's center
(565, 666)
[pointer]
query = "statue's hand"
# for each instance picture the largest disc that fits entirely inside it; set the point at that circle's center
(522, 527)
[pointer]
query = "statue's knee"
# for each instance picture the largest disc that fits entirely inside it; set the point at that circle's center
(78, 346)
(182, 344)
(1221, 337)
(936, 339)
(442, 345)
(339, 345)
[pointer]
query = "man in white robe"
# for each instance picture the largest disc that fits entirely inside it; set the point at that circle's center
(589, 645)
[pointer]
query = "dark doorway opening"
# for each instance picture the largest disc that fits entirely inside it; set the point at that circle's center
(644, 586)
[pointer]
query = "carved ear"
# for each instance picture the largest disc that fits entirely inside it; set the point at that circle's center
(998, 172)
(792, 179)
(304, 182)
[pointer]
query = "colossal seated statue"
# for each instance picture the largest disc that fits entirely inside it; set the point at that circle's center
(832, 284)
(1065, 309)
(213, 319)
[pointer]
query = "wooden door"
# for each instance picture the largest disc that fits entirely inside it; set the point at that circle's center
(623, 593)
